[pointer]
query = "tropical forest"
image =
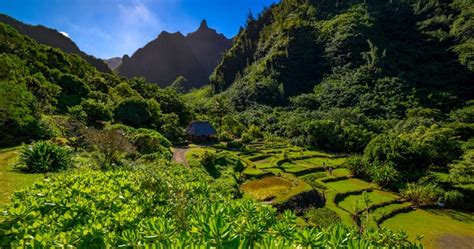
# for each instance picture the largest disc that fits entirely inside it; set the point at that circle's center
(316, 124)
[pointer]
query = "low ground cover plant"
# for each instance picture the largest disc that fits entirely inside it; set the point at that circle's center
(162, 205)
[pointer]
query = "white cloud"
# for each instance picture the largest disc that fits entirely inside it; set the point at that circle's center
(65, 34)
(137, 23)
(136, 14)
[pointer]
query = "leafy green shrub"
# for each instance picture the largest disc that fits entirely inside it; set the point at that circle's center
(149, 141)
(357, 166)
(146, 141)
(96, 111)
(207, 158)
(235, 144)
(462, 171)
(154, 157)
(439, 143)
(384, 174)
(112, 147)
(321, 217)
(255, 132)
(171, 128)
(225, 136)
(394, 152)
(77, 112)
(454, 198)
(422, 194)
(247, 138)
(138, 112)
(44, 157)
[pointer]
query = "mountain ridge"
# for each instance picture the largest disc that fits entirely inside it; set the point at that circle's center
(170, 55)
(339, 53)
(53, 38)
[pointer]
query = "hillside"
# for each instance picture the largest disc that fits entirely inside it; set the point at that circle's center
(327, 124)
(113, 63)
(102, 144)
(380, 56)
(53, 38)
(170, 55)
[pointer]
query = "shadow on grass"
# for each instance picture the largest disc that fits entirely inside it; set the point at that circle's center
(454, 214)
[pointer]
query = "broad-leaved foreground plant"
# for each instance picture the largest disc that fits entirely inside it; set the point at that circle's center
(165, 206)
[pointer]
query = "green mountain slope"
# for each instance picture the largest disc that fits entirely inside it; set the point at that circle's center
(53, 38)
(38, 80)
(379, 56)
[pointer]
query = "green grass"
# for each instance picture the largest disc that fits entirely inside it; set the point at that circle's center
(349, 185)
(434, 225)
(277, 189)
(12, 180)
(341, 172)
(292, 167)
(308, 153)
(354, 203)
(266, 163)
(329, 162)
(253, 172)
(345, 216)
(467, 186)
(267, 188)
(381, 211)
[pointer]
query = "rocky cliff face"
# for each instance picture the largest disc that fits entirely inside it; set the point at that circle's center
(53, 38)
(170, 55)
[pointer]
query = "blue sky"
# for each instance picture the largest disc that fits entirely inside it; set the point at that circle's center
(108, 28)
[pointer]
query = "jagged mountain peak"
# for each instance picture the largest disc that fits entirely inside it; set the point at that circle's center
(171, 35)
(203, 25)
(170, 55)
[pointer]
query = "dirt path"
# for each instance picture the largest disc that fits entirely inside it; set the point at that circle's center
(179, 155)
(459, 242)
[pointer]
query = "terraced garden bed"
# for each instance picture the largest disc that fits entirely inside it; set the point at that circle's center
(285, 176)
(381, 212)
(355, 203)
(275, 189)
(351, 184)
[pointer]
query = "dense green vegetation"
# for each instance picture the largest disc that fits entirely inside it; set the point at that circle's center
(37, 80)
(335, 120)
(381, 57)
(163, 205)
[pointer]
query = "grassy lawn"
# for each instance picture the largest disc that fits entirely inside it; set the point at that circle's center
(341, 172)
(268, 187)
(348, 185)
(10, 179)
(274, 188)
(354, 203)
(438, 227)
(329, 162)
(265, 163)
(294, 167)
(381, 211)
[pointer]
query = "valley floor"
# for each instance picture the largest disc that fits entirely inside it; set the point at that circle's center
(301, 170)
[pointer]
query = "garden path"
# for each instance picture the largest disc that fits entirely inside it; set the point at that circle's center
(179, 155)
